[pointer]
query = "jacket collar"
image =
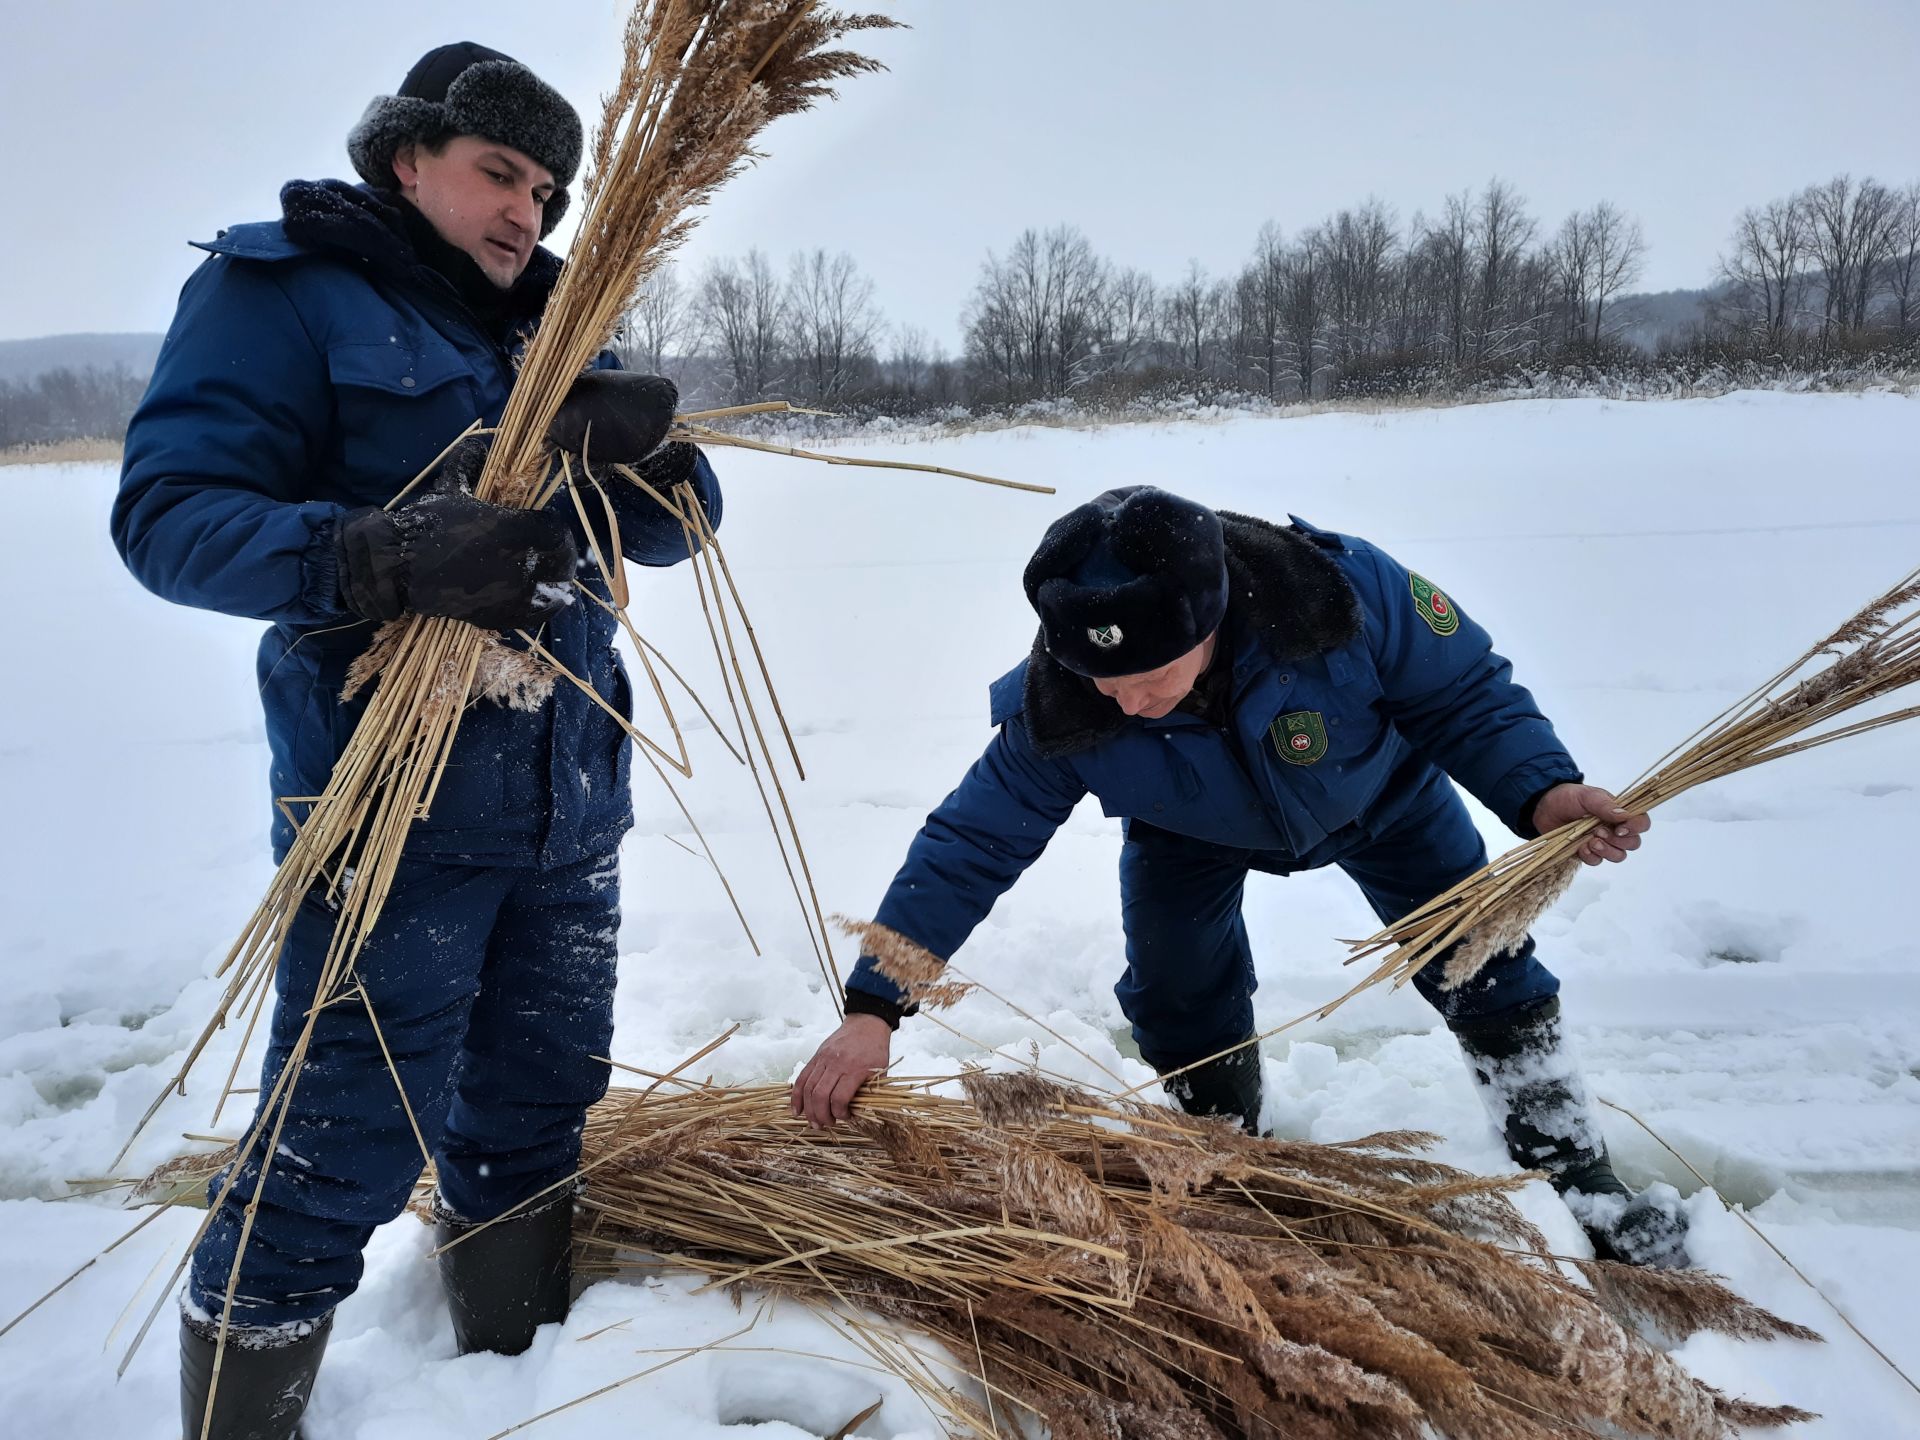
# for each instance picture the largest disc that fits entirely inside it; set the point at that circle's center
(357, 221)
(1286, 599)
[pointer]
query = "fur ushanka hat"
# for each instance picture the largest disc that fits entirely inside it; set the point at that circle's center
(1128, 582)
(467, 89)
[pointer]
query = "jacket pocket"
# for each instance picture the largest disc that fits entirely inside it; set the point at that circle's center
(1142, 775)
(397, 407)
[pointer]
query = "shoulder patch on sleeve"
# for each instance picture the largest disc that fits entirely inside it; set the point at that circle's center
(1432, 606)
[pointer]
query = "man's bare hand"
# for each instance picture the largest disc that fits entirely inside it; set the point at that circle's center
(1616, 835)
(853, 1053)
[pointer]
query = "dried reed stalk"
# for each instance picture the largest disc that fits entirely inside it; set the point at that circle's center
(1875, 653)
(1114, 1269)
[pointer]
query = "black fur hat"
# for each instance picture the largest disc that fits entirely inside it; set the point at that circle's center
(467, 89)
(1129, 581)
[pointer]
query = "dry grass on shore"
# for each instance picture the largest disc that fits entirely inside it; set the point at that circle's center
(63, 452)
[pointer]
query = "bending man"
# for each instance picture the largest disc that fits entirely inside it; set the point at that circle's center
(1247, 696)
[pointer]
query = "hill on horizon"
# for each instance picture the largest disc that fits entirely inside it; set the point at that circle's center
(133, 350)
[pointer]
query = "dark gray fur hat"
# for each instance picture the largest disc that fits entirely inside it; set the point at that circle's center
(467, 89)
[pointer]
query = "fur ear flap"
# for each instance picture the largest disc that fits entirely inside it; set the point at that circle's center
(389, 122)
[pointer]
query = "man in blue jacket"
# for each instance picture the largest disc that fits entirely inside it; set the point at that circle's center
(1246, 697)
(317, 363)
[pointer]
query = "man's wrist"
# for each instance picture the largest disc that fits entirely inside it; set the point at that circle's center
(1527, 829)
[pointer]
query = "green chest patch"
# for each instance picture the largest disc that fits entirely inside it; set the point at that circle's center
(1432, 606)
(1300, 737)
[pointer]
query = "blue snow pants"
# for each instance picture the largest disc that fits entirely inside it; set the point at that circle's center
(493, 991)
(1188, 988)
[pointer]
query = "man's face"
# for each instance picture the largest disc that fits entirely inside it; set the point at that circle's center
(1156, 692)
(484, 198)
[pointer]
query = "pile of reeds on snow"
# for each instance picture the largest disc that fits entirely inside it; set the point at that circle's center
(1113, 1268)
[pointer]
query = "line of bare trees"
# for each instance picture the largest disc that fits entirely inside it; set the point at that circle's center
(1337, 306)
(1359, 303)
(744, 331)
(68, 403)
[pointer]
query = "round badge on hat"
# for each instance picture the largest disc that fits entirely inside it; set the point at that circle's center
(1105, 636)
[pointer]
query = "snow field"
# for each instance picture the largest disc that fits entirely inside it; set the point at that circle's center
(1749, 984)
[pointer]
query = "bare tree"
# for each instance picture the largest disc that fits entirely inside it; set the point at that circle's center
(1033, 324)
(1130, 323)
(1596, 255)
(831, 325)
(1903, 262)
(1619, 250)
(1260, 297)
(1850, 233)
(1359, 249)
(1572, 257)
(1450, 246)
(741, 312)
(912, 353)
(1303, 304)
(1189, 316)
(1763, 269)
(652, 332)
(1504, 230)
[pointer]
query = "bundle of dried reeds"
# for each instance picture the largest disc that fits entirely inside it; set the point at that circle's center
(1115, 1269)
(1873, 654)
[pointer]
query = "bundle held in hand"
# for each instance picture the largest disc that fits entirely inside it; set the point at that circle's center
(1871, 656)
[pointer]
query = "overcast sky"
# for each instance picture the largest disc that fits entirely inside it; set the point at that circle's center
(1166, 129)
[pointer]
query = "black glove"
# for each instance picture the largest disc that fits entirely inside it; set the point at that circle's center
(628, 416)
(669, 466)
(450, 554)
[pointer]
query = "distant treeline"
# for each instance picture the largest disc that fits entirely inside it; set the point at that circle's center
(1360, 305)
(1481, 297)
(84, 402)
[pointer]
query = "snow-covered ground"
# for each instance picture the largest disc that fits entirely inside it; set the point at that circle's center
(1750, 983)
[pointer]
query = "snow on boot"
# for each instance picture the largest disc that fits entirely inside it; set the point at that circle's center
(1229, 1085)
(1534, 1093)
(265, 1379)
(505, 1280)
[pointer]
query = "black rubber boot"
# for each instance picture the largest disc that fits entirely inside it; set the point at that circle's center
(507, 1279)
(263, 1390)
(1534, 1092)
(1227, 1086)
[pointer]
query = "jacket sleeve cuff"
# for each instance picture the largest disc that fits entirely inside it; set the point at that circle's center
(320, 568)
(1530, 785)
(865, 1002)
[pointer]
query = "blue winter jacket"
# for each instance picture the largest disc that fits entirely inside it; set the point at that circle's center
(1352, 680)
(316, 365)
